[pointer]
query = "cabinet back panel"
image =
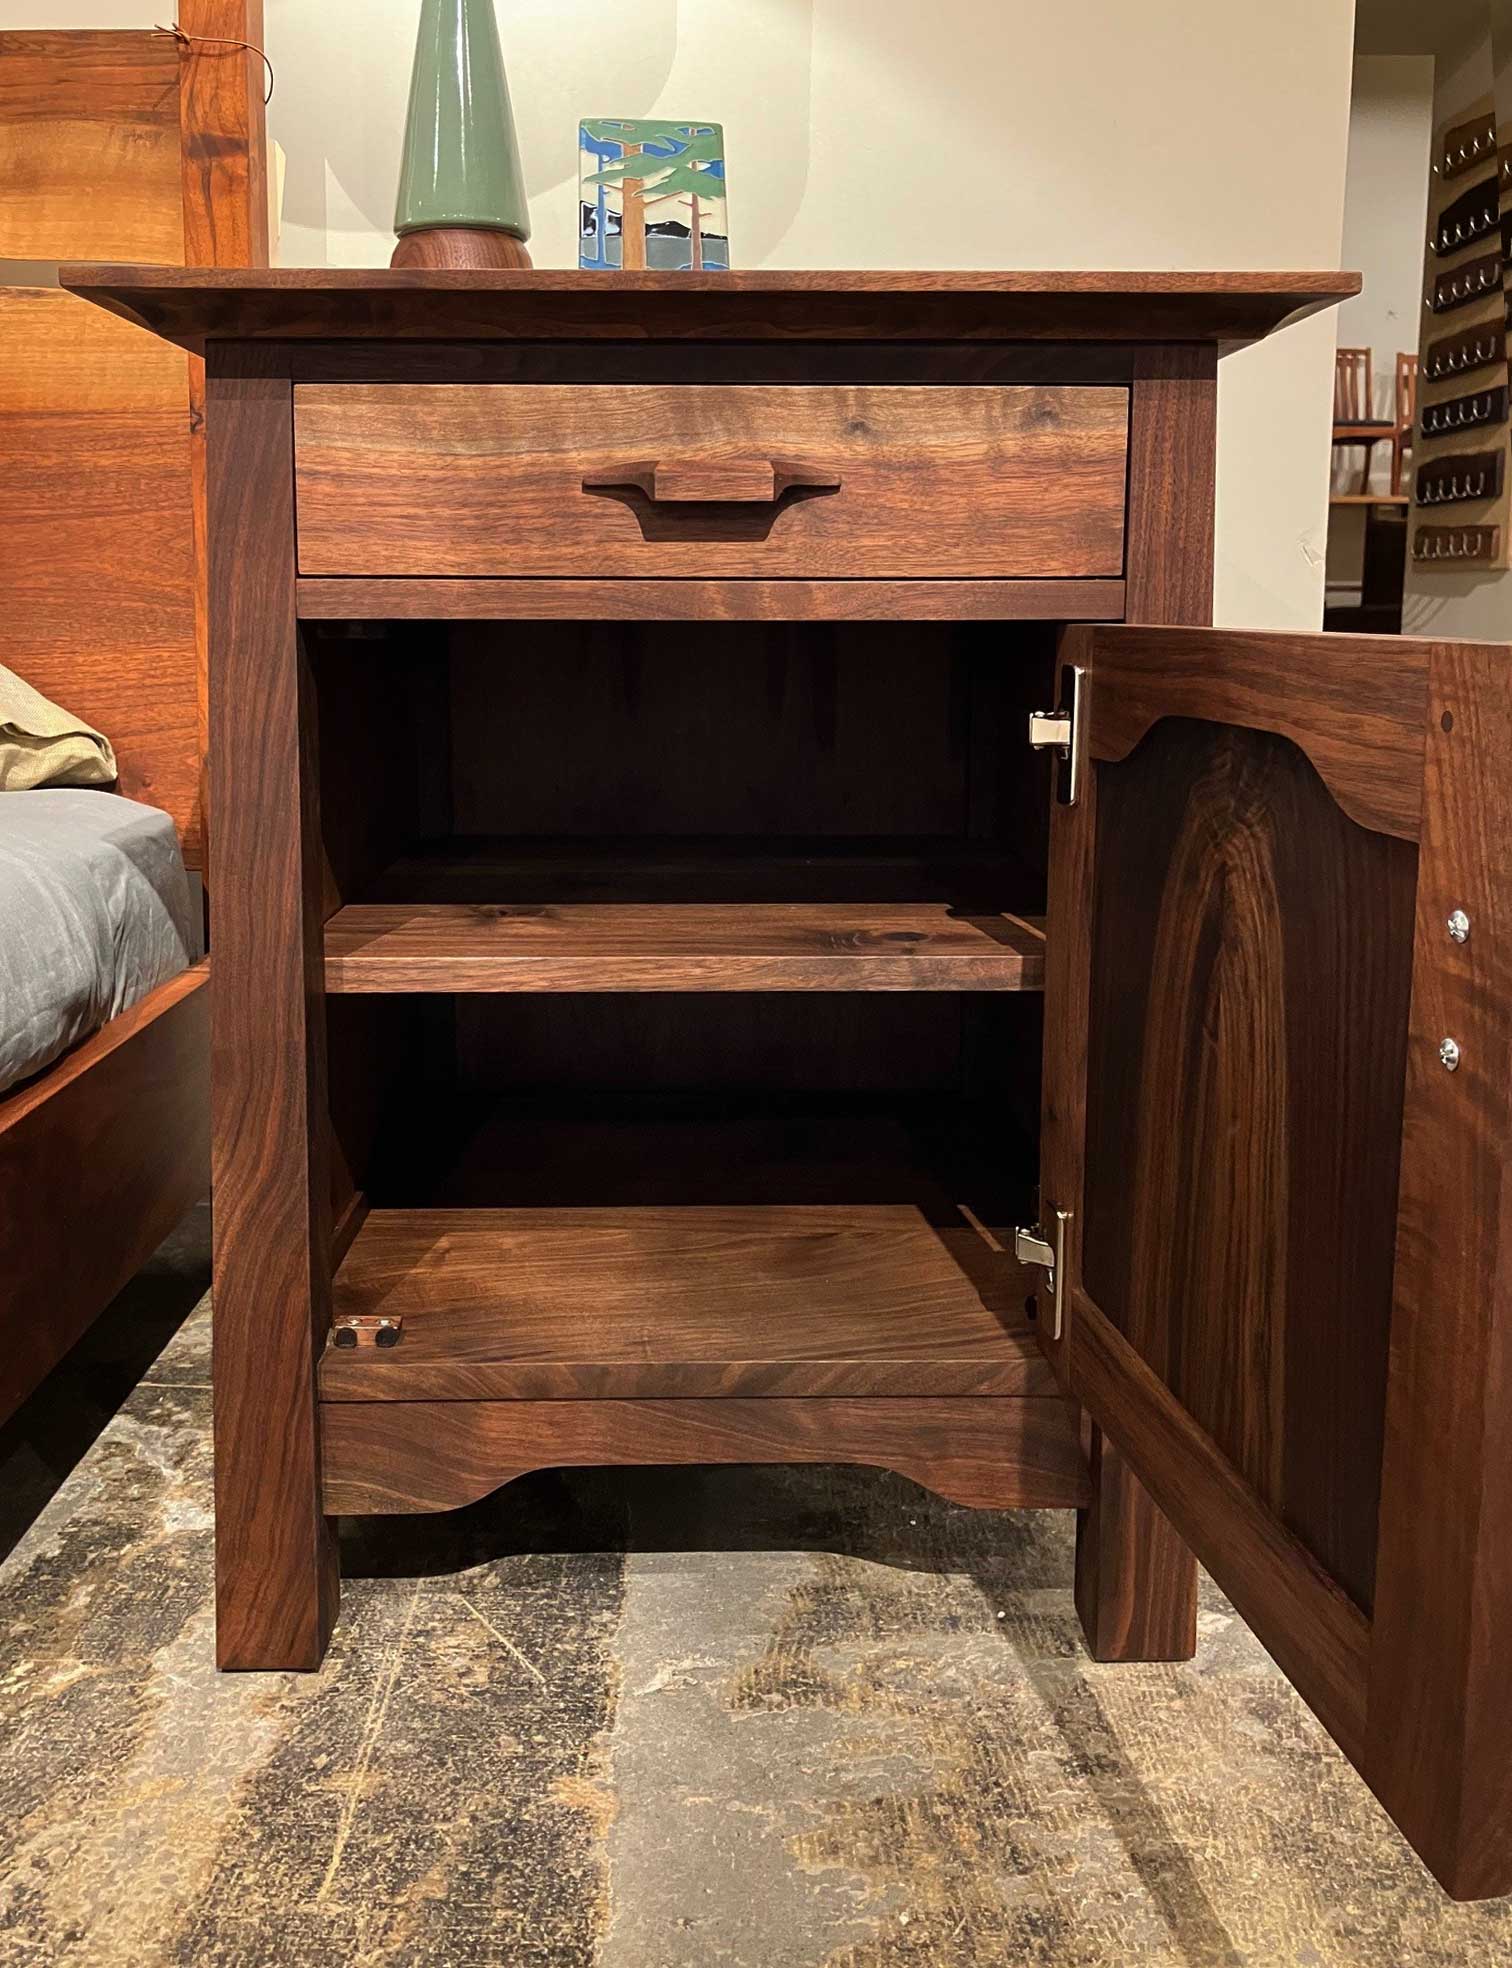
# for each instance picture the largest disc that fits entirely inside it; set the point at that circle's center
(746, 728)
(1257, 1279)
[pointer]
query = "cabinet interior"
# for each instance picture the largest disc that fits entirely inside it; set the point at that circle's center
(861, 1135)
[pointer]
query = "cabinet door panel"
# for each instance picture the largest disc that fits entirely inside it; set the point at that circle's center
(1251, 967)
(1270, 1169)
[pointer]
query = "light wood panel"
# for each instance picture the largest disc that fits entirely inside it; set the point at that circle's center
(686, 946)
(221, 86)
(550, 1304)
(442, 479)
(101, 498)
(96, 509)
(89, 147)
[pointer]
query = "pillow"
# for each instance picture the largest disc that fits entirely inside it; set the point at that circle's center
(42, 745)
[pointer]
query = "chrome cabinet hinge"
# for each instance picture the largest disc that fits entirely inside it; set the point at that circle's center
(1032, 1246)
(1063, 732)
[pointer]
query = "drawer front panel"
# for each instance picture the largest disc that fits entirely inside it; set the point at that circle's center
(709, 482)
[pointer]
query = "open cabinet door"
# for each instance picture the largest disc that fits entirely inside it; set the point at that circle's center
(1278, 1108)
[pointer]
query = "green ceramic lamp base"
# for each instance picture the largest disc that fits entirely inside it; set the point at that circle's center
(460, 246)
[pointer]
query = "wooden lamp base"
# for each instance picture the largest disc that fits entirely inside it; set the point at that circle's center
(460, 246)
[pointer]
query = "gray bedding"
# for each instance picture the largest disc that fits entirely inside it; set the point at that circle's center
(95, 912)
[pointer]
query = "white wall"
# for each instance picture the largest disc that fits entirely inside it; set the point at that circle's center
(888, 133)
(1385, 213)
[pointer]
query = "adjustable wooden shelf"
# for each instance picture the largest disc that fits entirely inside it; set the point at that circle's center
(721, 794)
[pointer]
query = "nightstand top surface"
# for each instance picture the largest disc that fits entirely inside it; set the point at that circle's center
(195, 305)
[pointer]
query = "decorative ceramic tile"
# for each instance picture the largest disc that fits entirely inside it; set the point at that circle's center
(653, 195)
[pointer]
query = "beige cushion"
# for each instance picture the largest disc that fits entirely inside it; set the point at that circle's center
(43, 745)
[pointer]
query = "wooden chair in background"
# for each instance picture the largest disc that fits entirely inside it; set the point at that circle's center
(1353, 423)
(1406, 413)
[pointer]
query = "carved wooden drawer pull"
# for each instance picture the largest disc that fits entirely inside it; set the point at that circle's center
(715, 481)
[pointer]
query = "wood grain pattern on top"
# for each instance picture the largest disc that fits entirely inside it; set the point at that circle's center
(539, 479)
(668, 1302)
(686, 946)
(192, 305)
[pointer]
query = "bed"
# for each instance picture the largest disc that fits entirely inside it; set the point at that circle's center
(136, 146)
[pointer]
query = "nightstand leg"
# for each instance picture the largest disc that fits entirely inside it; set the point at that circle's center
(276, 1571)
(1136, 1582)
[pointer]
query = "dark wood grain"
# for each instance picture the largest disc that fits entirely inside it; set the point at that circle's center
(1173, 435)
(451, 480)
(1250, 967)
(99, 1159)
(332, 598)
(963, 875)
(1440, 1711)
(1136, 1582)
(1319, 1637)
(675, 364)
(276, 1580)
(405, 1456)
(688, 946)
(478, 247)
(337, 304)
(551, 1304)
(841, 730)
(1354, 704)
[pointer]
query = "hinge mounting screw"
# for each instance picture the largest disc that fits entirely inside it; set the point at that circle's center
(1449, 1054)
(1458, 926)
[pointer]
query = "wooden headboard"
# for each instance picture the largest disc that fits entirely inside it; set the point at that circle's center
(120, 146)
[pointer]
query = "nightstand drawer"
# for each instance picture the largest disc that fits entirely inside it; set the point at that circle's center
(710, 481)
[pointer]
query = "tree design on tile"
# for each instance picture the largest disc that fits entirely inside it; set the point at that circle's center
(651, 164)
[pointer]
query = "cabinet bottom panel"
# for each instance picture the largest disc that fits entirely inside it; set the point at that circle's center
(657, 1303)
(390, 1458)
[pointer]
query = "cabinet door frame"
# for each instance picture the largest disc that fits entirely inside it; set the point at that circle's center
(1413, 740)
